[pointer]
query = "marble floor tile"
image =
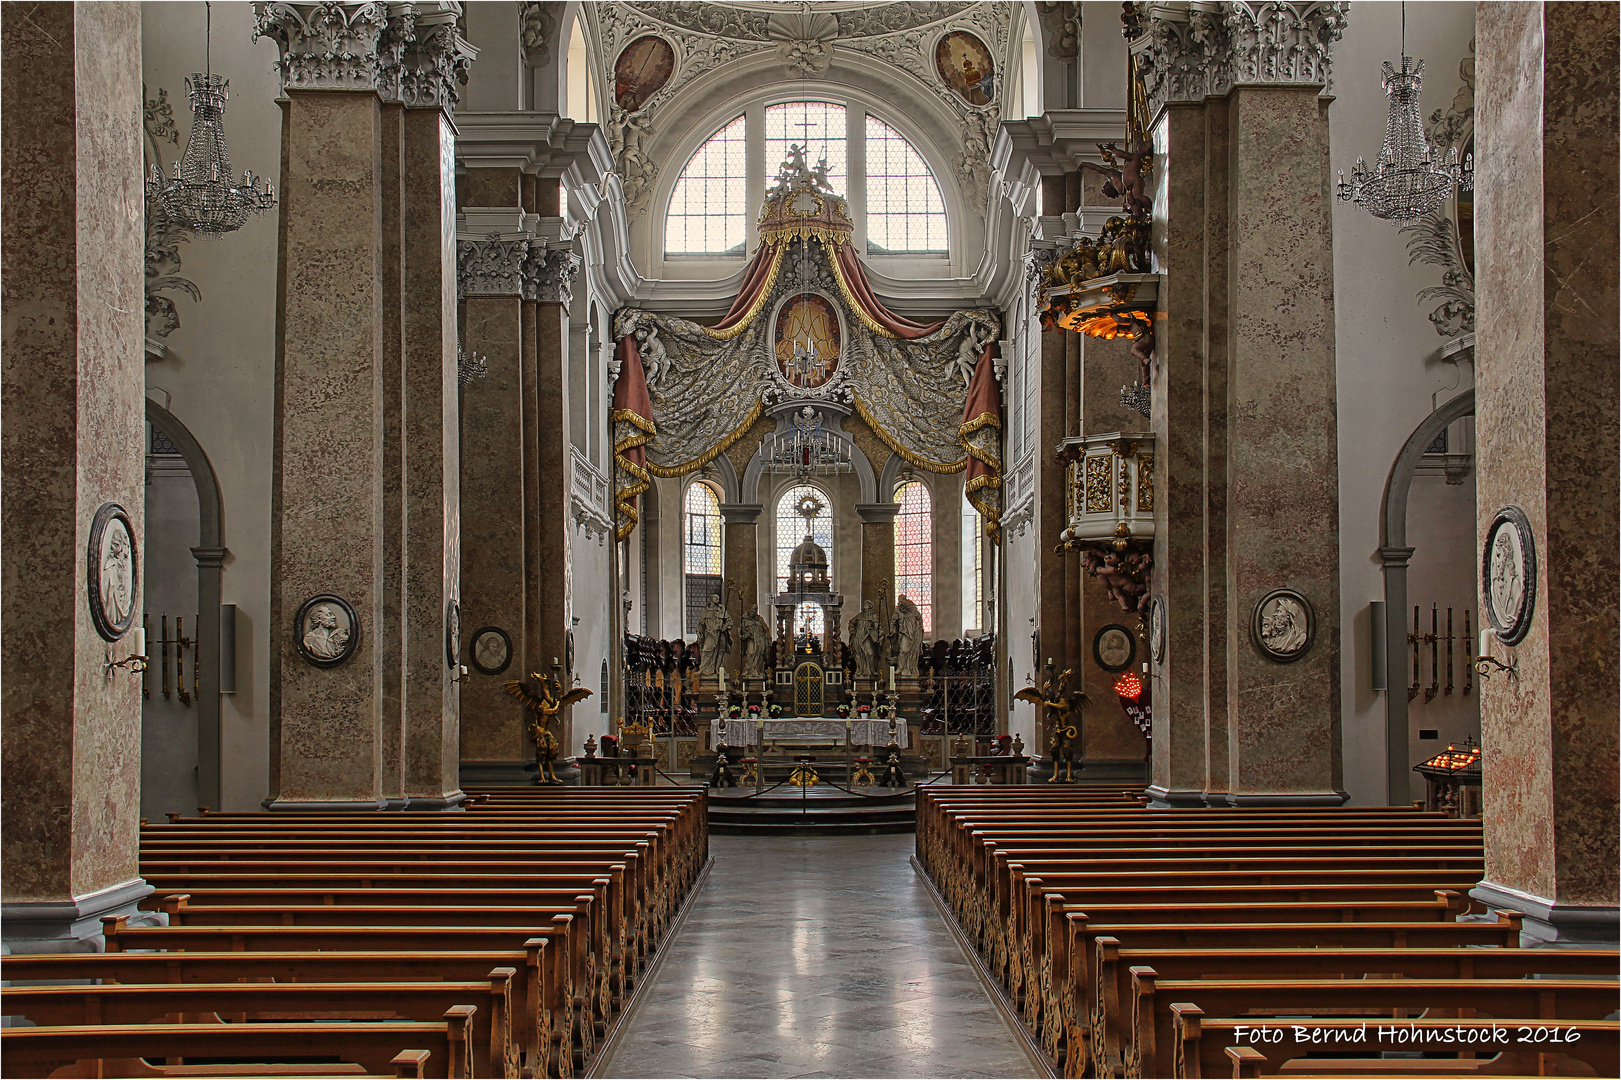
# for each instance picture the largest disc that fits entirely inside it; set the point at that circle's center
(815, 957)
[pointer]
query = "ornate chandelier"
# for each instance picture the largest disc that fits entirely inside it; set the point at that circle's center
(808, 448)
(1409, 180)
(200, 195)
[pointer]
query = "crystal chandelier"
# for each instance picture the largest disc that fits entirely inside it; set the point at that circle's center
(200, 195)
(470, 366)
(808, 448)
(1409, 179)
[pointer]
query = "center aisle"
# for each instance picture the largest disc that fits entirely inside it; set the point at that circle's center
(815, 957)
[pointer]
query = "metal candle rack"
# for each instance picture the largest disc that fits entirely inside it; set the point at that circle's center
(181, 643)
(1434, 639)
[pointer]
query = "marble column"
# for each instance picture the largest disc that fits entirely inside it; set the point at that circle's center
(433, 648)
(1545, 434)
(391, 631)
(741, 564)
(1244, 401)
(495, 472)
(74, 378)
(878, 555)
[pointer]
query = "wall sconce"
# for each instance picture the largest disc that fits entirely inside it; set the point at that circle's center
(461, 675)
(136, 661)
(1486, 665)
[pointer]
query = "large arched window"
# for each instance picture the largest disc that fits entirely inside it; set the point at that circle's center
(709, 204)
(700, 550)
(914, 549)
(905, 211)
(793, 525)
(818, 126)
(709, 211)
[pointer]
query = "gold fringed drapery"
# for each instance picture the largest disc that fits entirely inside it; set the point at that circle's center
(631, 423)
(981, 438)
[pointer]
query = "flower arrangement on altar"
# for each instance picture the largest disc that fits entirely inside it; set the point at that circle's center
(776, 711)
(754, 712)
(864, 711)
(881, 712)
(844, 710)
(735, 713)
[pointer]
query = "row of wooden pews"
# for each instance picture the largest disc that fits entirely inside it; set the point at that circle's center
(504, 941)
(1256, 942)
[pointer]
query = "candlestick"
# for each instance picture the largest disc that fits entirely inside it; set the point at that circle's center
(138, 641)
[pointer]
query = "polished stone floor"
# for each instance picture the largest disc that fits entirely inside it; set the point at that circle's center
(815, 957)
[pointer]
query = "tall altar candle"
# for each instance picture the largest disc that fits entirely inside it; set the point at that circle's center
(892, 676)
(723, 676)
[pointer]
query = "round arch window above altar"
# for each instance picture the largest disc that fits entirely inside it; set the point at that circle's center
(807, 340)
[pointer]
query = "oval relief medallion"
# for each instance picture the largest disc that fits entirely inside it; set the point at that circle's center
(1283, 625)
(113, 573)
(1508, 575)
(807, 340)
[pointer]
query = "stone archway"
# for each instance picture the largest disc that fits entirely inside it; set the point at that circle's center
(210, 553)
(1395, 554)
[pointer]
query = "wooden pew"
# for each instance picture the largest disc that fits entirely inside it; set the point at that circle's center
(489, 1034)
(1205, 1046)
(374, 1045)
(1109, 1031)
(1152, 1049)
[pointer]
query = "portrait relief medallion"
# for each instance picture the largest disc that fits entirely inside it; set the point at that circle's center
(1283, 625)
(112, 572)
(453, 632)
(1508, 575)
(326, 630)
(491, 650)
(1114, 647)
(1156, 630)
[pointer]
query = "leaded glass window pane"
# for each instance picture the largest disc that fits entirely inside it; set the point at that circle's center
(818, 126)
(914, 549)
(701, 550)
(792, 528)
(709, 203)
(905, 210)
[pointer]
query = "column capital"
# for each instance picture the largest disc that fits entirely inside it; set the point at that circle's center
(435, 63)
(877, 513)
(741, 513)
(1193, 50)
(549, 272)
(492, 266)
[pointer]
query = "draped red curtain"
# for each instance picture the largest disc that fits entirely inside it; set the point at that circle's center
(980, 436)
(855, 279)
(756, 279)
(632, 427)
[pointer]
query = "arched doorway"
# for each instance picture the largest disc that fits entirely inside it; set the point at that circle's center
(180, 741)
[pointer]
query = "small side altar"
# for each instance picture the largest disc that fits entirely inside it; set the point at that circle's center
(738, 733)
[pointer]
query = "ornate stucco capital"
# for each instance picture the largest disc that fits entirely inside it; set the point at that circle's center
(549, 273)
(434, 66)
(333, 46)
(1198, 49)
(493, 267)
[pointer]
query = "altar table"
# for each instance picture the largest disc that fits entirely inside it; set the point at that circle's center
(862, 732)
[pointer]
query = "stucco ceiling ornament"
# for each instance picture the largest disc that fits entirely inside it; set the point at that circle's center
(493, 267)
(434, 67)
(806, 41)
(1061, 21)
(549, 273)
(330, 46)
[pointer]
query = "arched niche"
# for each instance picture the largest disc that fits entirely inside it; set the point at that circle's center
(1394, 555)
(210, 555)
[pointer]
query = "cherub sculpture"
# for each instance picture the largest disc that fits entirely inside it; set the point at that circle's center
(543, 709)
(655, 358)
(1063, 737)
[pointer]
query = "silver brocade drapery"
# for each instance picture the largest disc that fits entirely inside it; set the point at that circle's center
(711, 390)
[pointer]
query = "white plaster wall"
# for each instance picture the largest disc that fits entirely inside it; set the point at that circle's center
(1387, 381)
(168, 587)
(1016, 616)
(220, 374)
(591, 634)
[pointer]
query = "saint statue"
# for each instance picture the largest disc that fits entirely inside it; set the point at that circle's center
(908, 636)
(714, 636)
(755, 636)
(866, 640)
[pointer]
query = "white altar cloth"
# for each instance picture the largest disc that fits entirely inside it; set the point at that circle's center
(862, 732)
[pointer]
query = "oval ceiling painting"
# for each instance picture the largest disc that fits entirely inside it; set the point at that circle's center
(641, 71)
(966, 66)
(807, 341)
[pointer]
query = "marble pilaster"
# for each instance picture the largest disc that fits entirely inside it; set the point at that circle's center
(878, 555)
(1057, 594)
(392, 628)
(1545, 431)
(432, 466)
(73, 360)
(1181, 577)
(741, 564)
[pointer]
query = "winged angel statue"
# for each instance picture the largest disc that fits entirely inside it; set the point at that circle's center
(543, 710)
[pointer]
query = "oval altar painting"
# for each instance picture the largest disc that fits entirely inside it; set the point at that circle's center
(641, 71)
(807, 340)
(966, 65)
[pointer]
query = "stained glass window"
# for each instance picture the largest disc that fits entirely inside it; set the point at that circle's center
(701, 550)
(792, 528)
(818, 126)
(709, 212)
(914, 549)
(905, 211)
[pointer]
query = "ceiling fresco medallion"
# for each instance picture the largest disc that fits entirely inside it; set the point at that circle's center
(965, 64)
(641, 71)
